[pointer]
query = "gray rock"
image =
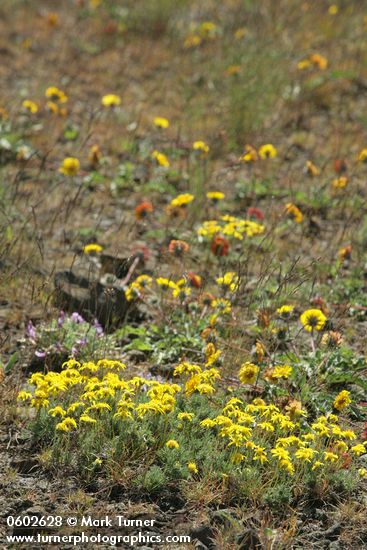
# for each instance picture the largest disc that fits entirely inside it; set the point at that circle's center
(83, 289)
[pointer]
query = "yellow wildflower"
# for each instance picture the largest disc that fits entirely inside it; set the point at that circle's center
(172, 444)
(319, 61)
(54, 108)
(249, 154)
(330, 457)
(267, 151)
(207, 29)
(313, 319)
(201, 147)
(294, 409)
(340, 447)
(266, 426)
(303, 64)
(208, 423)
(205, 389)
(248, 373)
(57, 411)
(237, 458)
(111, 100)
(192, 468)
(99, 407)
(281, 371)
(74, 406)
(229, 279)
(192, 40)
(164, 283)
(284, 459)
(87, 419)
(305, 453)
(161, 159)
(66, 425)
(24, 395)
(285, 311)
(294, 212)
(348, 434)
(358, 449)
(161, 122)
(185, 416)
(333, 9)
(182, 293)
(30, 106)
(54, 94)
(92, 248)
(186, 368)
(70, 166)
(340, 183)
(259, 454)
(182, 200)
(223, 305)
(311, 169)
(342, 400)
(259, 351)
(215, 196)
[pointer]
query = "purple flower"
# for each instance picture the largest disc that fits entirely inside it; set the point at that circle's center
(82, 341)
(39, 353)
(74, 352)
(98, 327)
(76, 318)
(61, 319)
(31, 331)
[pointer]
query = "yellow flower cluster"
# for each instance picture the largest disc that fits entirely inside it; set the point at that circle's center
(263, 433)
(56, 98)
(212, 354)
(205, 31)
(198, 379)
(229, 280)
(231, 226)
(313, 61)
(85, 396)
(136, 288)
(88, 390)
